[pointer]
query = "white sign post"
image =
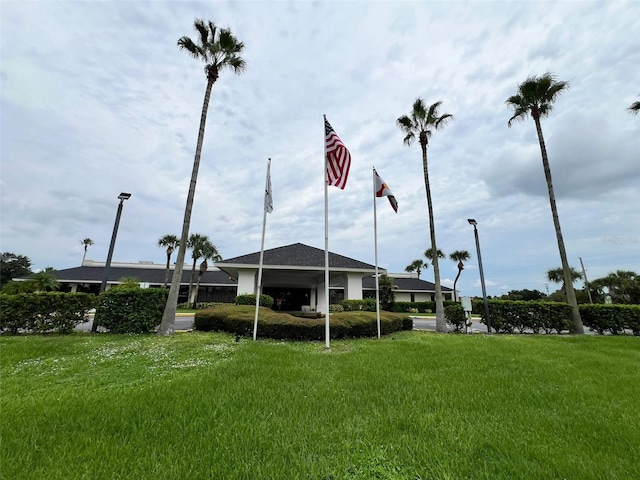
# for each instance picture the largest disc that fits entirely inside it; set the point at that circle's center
(466, 305)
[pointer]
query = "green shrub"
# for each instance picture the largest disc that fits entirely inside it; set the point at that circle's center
(612, 318)
(336, 307)
(508, 316)
(239, 320)
(407, 323)
(131, 310)
(44, 311)
(455, 316)
(250, 299)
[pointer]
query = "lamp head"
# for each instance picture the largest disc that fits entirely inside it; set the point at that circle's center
(472, 221)
(124, 196)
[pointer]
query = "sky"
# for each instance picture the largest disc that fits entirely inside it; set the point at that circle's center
(97, 99)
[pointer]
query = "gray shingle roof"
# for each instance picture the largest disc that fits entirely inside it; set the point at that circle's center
(405, 284)
(146, 275)
(296, 255)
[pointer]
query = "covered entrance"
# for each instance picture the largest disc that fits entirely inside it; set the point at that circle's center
(288, 299)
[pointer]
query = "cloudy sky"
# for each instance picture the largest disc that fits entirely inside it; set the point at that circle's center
(97, 99)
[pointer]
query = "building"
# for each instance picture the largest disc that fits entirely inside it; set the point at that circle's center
(294, 275)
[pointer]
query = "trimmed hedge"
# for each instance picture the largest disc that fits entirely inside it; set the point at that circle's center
(239, 320)
(611, 318)
(131, 310)
(419, 307)
(367, 305)
(508, 316)
(44, 312)
(250, 299)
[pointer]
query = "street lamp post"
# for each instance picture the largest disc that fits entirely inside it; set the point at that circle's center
(123, 196)
(484, 290)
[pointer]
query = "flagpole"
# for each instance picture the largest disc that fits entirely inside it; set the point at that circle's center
(264, 227)
(375, 243)
(326, 248)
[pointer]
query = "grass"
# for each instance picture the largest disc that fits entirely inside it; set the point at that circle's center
(415, 406)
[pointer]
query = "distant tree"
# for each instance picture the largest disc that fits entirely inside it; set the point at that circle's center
(634, 108)
(387, 295)
(535, 97)
(220, 50)
(13, 266)
(12, 287)
(416, 266)
(197, 243)
(43, 282)
(87, 242)
(459, 256)
(209, 252)
(525, 294)
(623, 286)
(556, 275)
(429, 254)
(170, 242)
(420, 124)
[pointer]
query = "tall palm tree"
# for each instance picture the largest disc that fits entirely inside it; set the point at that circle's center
(634, 107)
(420, 124)
(556, 275)
(209, 252)
(170, 242)
(198, 244)
(220, 50)
(416, 266)
(535, 97)
(87, 242)
(459, 256)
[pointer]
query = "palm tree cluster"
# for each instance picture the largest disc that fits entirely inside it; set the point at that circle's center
(201, 248)
(459, 256)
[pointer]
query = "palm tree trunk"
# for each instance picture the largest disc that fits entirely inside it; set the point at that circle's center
(84, 255)
(440, 322)
(169, 316)
(193, 299)
(193, 275)
(566, 272)
(166, 275)
(455, 282)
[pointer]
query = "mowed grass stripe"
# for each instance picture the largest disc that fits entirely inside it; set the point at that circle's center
(420, 406)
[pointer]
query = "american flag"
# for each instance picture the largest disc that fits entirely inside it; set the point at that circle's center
(338, 157)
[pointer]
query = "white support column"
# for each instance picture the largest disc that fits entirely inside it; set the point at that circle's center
(321, 300)
(353, 286)
(247, 281)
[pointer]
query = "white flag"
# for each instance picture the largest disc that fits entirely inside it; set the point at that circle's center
(268, 196)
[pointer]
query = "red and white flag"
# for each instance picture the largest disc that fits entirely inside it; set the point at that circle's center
(382, 190)
(338, 157)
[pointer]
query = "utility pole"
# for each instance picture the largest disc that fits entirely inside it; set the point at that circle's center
(586, 282)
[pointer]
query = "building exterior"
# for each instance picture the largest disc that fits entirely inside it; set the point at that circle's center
(293, 275)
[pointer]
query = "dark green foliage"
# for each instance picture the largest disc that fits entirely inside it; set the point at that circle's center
(44, 312)
(419, 307)
(250, 299)
(387, 296)
(525, 294)
(13, 266)
(455, 316)
(367, 305)
(239, 320)
(407, 323)
(611, 318)
(131, 310)
(509, 316)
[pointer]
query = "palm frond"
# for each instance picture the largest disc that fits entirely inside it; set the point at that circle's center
(634, 107)
(202, 30)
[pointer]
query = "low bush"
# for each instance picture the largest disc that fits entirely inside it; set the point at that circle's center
(611, 318)
(507, 316)
(419, 307)
(131, 310)
(239, 320)
(250, 299)
(455, 316)
(336, 307)
(44, 312)
(367, 305)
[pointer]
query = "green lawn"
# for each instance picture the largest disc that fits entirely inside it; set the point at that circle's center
(416, 406)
